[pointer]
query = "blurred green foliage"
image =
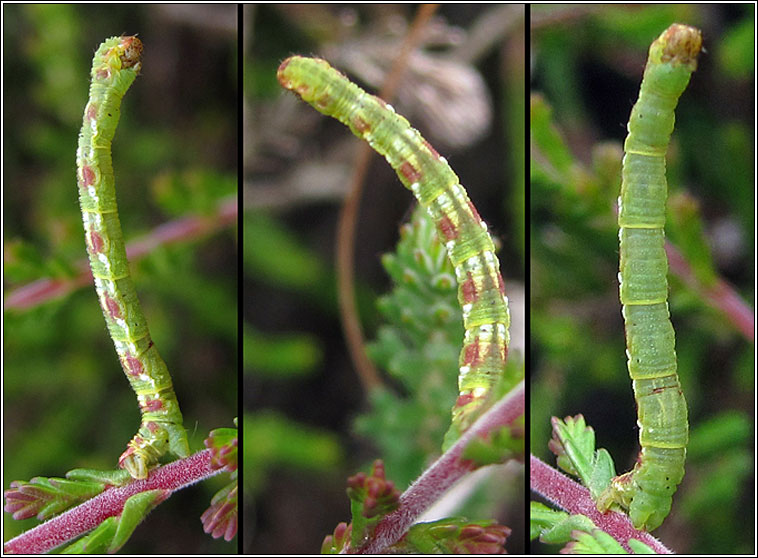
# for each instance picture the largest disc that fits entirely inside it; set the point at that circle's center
(272, 441)
(586, 76)
(66, 402)
(277, 256)
(280, 355)
(419, 347)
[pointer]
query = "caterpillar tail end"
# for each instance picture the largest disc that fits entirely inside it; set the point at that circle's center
(624, 494)
(134, 463)
(618, 495)
(468, 407)
(144, 452)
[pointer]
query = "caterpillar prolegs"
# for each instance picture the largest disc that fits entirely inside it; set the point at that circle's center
(114, 67)
(422, 170)
(646, 491)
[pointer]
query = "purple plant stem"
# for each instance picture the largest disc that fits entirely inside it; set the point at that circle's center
(183, 229)
(442, 474)
(85, 517)
(721, 295)
(575, 499)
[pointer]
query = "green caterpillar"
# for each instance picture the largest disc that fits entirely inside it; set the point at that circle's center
(114, 67)
(646, 491)
(422, 170)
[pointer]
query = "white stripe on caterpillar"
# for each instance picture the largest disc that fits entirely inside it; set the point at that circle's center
(114, 67)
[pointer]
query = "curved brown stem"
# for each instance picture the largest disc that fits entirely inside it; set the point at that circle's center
(349, 216)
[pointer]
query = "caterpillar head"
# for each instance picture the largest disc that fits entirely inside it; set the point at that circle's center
(131, 52)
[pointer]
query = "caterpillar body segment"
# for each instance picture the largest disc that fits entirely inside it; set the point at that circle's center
(646, 491)
(114, 68)
(422, 170)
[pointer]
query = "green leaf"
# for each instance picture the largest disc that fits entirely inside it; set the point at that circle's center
(543, 518)
(574, 444)
(193, 191)
(736, 52)
(280, 260)
(96, 542)
(558, 162)
(276, 441)
(280, 355)
(112, 477)
(716, 435)
(556, 527)
(45, 497)
(135, 510)
(685, 227)
(595, 542)
(419, 346)
(114, 532)
(639, 547)
(500, 445)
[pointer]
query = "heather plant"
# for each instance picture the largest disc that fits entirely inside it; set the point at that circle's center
(489, 408)
(574, 204)
(107, 505)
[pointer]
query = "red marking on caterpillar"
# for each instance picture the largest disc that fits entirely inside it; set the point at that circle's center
(410, 173)
(132, 366)
(152, 405)
(432, 150)
(447, 228)
(95, 242)
(472, 353)
(468, 288)
(303, 90)
(361, 125)
(474, 212)
(87, 176)
(464, 399)
(112, 307)
(323, 101)
(661, 389)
